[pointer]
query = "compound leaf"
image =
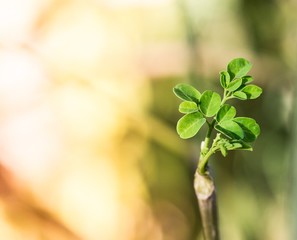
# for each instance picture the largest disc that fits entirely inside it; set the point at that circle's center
(240, 95)
(234, 85)
(190, 124)
(210, 103)
(224, 79)
(252, 91)
(226, 112)
(247, 79)
(238, 68)
(188, 107)
(230, 129)
(223, 150)
(240, 145)
(250, 127)
(187, 92)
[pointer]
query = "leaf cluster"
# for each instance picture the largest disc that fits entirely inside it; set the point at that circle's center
(211, 108)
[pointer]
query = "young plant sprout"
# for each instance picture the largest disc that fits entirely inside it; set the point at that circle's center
(232, 132)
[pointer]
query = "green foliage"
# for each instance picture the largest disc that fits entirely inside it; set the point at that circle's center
(210, 103)
(188, 107)
(233, 133)
(250, 127)
(252, 91)
(238, 68)
(230, 129)
(187, 92)
(224, 79)
(234, 85)
(226, 112)
(190, 124)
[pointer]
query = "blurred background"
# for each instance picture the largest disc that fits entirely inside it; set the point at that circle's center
(88, 147)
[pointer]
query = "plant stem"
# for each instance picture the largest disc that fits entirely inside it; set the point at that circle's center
(208, 134)
(202, 164)
(204, 185)
(205, 151)
(206, 196)
(205, 188)
(227, 95)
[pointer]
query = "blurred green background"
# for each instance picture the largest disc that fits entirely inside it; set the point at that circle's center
(88, 142)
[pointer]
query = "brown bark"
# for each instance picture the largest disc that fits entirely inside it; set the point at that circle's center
(206, 196)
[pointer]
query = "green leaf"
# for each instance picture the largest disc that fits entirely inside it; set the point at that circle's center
(234, 85)
(252, 91)
(190, 124)
(230, 129)
(224, 79)
(188, 107)
(223, 150)
(247, 79)
(235, 146)
(250, 127)
(240, 145)
(245, 146)
(238, 68)
(230, 144)
(226, 112)
(187, 92)
(240, 95)
(210, 103)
